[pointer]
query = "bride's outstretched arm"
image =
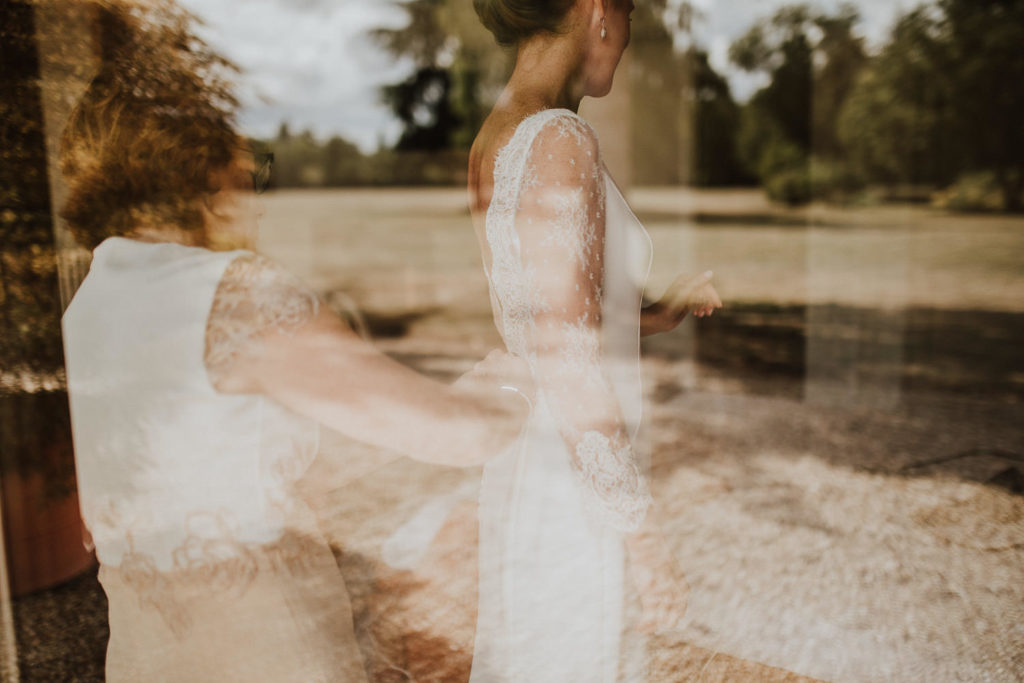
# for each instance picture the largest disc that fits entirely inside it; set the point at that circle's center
(560, 224)
(269, 334)
(688, 293)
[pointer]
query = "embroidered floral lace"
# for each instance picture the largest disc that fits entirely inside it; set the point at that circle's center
(545, 229)
(254, 296)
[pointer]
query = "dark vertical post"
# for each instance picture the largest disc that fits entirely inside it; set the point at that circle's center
(42, 529)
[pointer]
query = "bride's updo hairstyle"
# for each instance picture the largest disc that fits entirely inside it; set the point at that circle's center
(150, 140)
(512, 21)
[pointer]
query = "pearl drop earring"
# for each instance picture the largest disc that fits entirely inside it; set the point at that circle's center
(604, 31)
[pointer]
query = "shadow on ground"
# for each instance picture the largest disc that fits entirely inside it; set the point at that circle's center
(960, 372)
(967, 353)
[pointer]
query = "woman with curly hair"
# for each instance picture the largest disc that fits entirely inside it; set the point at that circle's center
(200, 374)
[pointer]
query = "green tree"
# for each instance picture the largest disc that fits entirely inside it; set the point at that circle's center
(716, 124)
(455, 64)
(685, 119)
(986, 58)
(841, 57)
(343, 163)
(423, 104)
(788, 132)
(424, 36)
(899, 116)
(299, 160)
(943, 99)
(782, 49)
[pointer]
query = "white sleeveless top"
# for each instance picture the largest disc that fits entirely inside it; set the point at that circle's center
(170, 472)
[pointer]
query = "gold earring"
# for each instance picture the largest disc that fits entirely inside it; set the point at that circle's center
(604, 31)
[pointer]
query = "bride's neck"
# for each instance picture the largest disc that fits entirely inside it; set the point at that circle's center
(547, 74)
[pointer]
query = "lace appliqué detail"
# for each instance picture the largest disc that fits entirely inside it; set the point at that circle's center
(254, 296)
(572, 229)
(206, 565)
(580, 355)
(615, 491)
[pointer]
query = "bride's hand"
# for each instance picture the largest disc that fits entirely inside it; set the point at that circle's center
(660, 583)
(686, 294)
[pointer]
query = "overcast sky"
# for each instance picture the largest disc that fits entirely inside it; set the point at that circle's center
(311, 63)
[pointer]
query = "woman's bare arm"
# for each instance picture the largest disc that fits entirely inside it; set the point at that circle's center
(328, 373)
(268, 334)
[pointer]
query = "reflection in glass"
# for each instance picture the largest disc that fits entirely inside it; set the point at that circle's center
(834, 454)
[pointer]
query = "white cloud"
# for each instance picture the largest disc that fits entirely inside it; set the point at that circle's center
(308, 62)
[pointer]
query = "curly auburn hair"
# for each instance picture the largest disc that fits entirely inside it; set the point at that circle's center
(146, 143)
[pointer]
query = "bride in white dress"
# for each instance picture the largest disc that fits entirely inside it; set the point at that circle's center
(567, 262)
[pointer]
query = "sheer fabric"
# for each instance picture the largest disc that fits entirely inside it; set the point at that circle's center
(212, 568)
(568, 262)
(547, 237)
(254, 296)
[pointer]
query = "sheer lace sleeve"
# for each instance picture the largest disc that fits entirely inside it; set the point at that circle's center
(560, 224)
(254, 296)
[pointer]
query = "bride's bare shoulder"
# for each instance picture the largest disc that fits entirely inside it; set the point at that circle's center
(494, 134)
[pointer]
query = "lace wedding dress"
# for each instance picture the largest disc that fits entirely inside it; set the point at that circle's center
(568, 263)
(213, 571)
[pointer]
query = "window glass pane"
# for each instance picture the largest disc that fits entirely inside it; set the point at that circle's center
(293, 465)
